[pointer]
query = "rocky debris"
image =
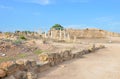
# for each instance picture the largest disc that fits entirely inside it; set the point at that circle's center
(31, 75)
(28, 69)
(43, 66)
(6, 65)
(56, 58)
(2, 73)
(10, 49)
(10, 77)
(20, 75)
(2, 54)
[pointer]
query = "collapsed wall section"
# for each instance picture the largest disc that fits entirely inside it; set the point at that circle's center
(28, 69)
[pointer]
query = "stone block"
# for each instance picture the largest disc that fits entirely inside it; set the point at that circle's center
(2, 73)
(5, 65)
(10, 77)
(20, 75)
(43, 67)
(31, 75)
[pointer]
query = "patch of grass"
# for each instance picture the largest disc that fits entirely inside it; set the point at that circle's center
(7, 59)
(17, 42)
(23, 55)
(37, 52)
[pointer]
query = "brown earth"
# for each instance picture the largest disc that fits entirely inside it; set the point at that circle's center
(104, 64)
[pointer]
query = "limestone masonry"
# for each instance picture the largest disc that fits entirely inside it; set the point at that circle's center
(28, 69)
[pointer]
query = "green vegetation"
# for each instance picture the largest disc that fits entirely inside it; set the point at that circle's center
(7, 33)
(22, 37)
(57, 27)
(22, 55)
(17, 31)
(37, 52)
(24, 32)
(6, 59)
(17, 42)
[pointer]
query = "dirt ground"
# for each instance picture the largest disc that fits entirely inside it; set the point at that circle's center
(104, 64)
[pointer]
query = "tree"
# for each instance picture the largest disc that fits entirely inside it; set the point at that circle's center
(17, 31)
(57, 27)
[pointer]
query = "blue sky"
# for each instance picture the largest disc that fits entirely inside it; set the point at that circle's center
(42, 14)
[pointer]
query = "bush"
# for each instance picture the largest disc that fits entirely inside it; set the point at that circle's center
(22, 37)
(57, 27)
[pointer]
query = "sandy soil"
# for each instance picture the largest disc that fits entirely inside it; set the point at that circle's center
(104, 64)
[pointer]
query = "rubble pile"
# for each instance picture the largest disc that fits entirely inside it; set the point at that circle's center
(28, 69)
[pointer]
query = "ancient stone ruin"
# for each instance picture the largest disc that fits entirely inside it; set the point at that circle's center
(74, 34)
(28, 69)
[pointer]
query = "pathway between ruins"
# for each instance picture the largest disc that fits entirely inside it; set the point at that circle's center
(104, 64)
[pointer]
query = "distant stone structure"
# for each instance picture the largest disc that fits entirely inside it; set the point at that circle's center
(63, 35)
(58, 34)
(73, 34)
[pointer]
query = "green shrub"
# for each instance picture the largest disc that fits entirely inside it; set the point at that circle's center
(22, 37)
(57, 27)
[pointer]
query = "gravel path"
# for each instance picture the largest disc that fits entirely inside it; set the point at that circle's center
(104, 64)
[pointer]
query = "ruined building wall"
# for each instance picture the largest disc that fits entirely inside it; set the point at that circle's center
(78, 33)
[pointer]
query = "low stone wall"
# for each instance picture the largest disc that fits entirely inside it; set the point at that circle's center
(28, 69)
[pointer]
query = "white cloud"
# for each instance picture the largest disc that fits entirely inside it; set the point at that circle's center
(41, 2)
(5, 7)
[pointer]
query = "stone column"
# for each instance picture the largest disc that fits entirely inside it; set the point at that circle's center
(39, 31)
(60, 34)
(64, 34)
(45, 35)
(51, 35)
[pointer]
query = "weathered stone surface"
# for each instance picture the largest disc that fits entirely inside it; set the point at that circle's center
(12, 69)
(2, 73)
(81, 33)
(5, 65)
(33, 63)
(28, 69)
(66, 55)
(10, 77)
(20, 75)
(90, 49)
(52, 58)
(43, 67)
(21, 62)
(43, 57)
(31, 75)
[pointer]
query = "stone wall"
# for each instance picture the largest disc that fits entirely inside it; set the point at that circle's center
(80, 33)
(87, 33)
(28, 69)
